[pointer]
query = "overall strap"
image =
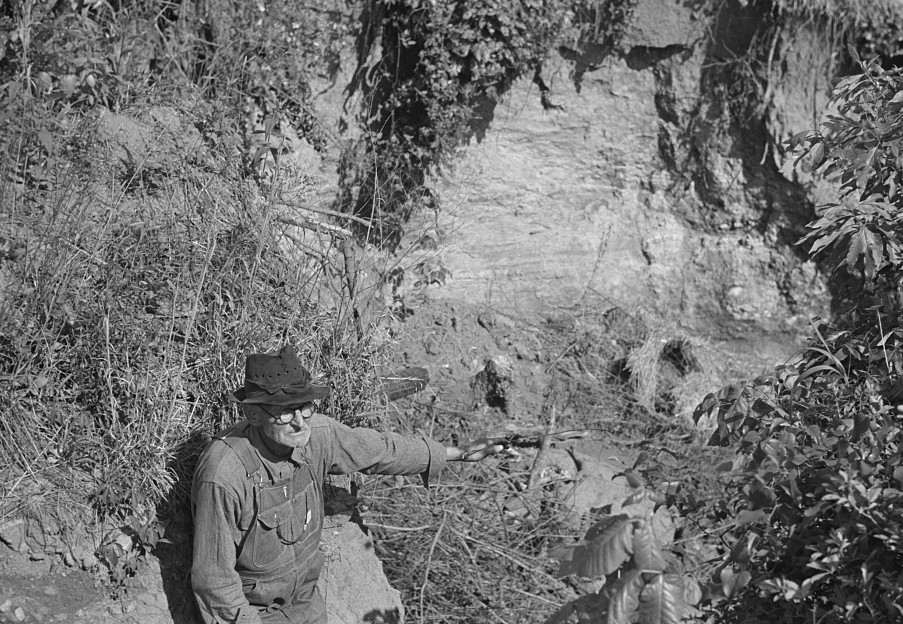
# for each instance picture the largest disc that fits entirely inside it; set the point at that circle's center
(242, 447)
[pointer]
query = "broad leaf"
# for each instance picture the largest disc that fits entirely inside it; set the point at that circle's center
(641, 496)
(662, 600)
(562, 616)
(857, 241)
(624, 598)
(732, 582)
(633, 479)
(822, 368)
(606, 546)
(647, 555)
(692, 591)
(898, 475)
(589, 608)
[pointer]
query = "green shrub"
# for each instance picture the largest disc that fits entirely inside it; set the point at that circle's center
(812, 504)
(642, 585)
(858, 147)
(78, 58)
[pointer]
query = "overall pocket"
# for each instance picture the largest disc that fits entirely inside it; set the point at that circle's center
(267, 544)
(296, 527)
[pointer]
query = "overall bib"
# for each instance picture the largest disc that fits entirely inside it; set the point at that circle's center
(279, 560)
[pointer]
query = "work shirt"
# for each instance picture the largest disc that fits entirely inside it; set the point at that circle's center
(256, 535)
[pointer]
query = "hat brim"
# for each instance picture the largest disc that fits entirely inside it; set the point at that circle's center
(280, 398)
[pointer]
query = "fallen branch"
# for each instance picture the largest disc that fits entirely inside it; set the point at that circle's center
(319, 255)
(526, 566)
(557, 605)
(316, 226)
(328, 213)
(429, 559)
(389, 527)
(544, 442)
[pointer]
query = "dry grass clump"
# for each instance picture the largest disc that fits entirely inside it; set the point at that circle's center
(873, 11)
(139, 260)
(872, 27)
(634, 384)
(474, 548)
(632, 388)
(132, 291)
(586, 350)
(638, 377)
(672, 371)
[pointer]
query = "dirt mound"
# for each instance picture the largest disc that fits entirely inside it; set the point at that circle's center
(46, 590)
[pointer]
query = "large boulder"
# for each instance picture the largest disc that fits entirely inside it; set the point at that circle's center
(353, 583)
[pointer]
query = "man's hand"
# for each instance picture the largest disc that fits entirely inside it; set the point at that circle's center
(476, 450)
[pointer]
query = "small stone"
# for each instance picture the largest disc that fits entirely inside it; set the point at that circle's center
(79, 613)
(89, 561)
(69, 560)
(50, 590)
(19, 614)
(12, 533)
(125, 542)
(6, 605)
(68, 84)
(45, 81)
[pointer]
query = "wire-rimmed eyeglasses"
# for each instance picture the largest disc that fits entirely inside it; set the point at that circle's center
(284, 414)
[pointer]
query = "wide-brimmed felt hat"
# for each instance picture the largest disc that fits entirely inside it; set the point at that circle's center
(277, 380)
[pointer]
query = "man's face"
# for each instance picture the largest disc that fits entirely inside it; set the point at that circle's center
(289, 428)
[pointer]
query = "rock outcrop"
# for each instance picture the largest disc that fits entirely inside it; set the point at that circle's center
(639, 189)
(353, 583)
(638, 193)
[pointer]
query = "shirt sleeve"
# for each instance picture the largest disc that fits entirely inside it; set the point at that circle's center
(376, 452)
(216, 584)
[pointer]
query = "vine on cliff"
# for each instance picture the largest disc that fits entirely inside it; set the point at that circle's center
(440, 70)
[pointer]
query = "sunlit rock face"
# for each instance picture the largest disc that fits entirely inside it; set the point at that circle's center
(636, 189)
(632, 184)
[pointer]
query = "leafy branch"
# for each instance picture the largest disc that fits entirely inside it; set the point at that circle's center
(640, 585)
(810, 513)
(859, 145)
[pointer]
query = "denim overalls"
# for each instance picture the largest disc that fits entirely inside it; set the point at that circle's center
(279, 560)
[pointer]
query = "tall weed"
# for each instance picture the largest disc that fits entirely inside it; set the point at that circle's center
(134, 287)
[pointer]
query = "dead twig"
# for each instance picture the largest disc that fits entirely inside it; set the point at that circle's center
(525, 566)
(389, 527)
(429, 559)
(544, 442)
(557, 605)
(316, 226)
(327, 212)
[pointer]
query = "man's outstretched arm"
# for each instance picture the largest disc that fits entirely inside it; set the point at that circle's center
(373, 452)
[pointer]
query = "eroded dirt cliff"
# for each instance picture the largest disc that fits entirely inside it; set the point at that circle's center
(644, 176)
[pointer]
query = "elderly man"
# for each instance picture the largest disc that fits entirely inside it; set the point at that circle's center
(257, 494)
